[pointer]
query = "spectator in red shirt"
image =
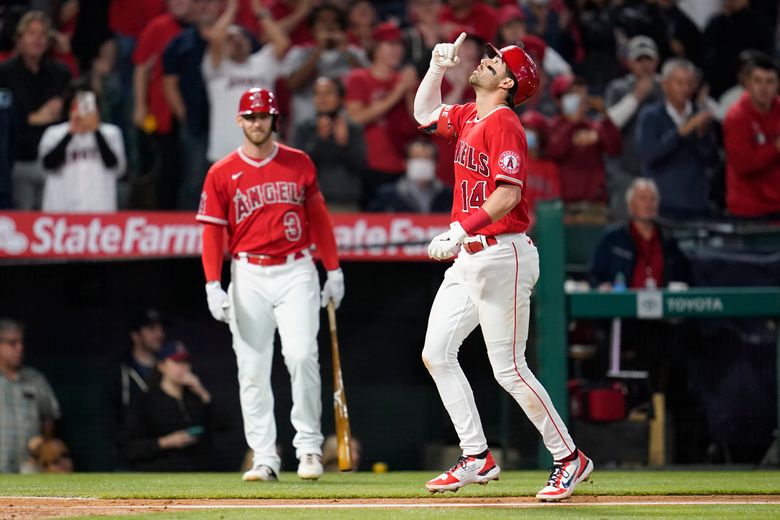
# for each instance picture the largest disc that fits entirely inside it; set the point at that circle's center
(577, 142)
(151, 112)
(381, 98)
(751, 133)
(543, 181)
(475, 18)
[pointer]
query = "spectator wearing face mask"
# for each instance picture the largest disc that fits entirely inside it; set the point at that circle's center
(418, 191)
(578, 142)
(543, 181)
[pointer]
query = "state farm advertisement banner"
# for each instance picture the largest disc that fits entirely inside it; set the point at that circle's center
(29, 236)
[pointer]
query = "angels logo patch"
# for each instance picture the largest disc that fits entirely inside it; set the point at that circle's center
(509, 161)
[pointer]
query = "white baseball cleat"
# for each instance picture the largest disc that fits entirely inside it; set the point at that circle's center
(564, 478)
(310, 466)
(260, 473)
(468, 470)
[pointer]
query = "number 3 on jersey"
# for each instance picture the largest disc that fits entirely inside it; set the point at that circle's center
(475, 198)
(292, 226)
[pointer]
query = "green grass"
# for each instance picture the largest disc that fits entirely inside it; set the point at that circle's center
(388, 485)
(409, 485)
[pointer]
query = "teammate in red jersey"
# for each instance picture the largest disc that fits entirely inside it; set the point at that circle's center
(496, 267)
(265, 195)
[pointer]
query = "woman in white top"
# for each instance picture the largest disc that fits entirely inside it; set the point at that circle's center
(82, 158)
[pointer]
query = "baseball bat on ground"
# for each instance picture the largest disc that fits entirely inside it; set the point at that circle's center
(343, 434)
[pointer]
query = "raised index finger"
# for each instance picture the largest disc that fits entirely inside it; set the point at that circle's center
(459, 41)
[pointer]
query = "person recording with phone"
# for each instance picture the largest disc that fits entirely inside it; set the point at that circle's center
(82, 158)
(169, 428)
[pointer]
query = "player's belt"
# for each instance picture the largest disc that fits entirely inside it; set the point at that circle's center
(478, 243)
(268, 260)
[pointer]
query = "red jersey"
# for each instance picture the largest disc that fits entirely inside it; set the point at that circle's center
(752, 159)
(261, 202)
(386, 137)
(129, 17)
(151, 44)
(488, 152)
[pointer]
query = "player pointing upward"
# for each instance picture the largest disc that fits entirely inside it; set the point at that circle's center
(496, 267)
(267, 197)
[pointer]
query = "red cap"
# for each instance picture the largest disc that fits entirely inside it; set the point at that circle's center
(522, 67)
(387, 32)
(509, 13)
(258, 101)
(561, 84)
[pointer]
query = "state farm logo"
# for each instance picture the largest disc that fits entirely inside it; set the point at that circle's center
(11, 241)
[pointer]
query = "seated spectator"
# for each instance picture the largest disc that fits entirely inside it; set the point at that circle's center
(335, 144)
(638, 252)
(419, 191)
(169, 428)
(751, 133)
(331, 54)
(677, 144)
(230, 68)
(577, 142)
(381, 98)
(543, 181)
(474, 17)
(82, 158)
(625, 97)
(126, 378)
(37, 84)
(29, 406)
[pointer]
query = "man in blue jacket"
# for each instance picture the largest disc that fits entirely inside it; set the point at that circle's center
(677, 144)
(638, 252)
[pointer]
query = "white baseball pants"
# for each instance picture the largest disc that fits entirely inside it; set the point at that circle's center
(262, 299)
(491, 288)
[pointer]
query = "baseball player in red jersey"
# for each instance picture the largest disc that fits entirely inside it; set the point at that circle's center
(265, 195)
(496, 264)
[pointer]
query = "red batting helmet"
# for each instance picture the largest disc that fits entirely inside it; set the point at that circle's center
(520, 64)
(258, 101)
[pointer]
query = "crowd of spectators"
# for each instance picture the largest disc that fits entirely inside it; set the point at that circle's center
(679, 92)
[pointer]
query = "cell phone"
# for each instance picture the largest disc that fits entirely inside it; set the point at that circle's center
(195, 430)
(86, 103)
